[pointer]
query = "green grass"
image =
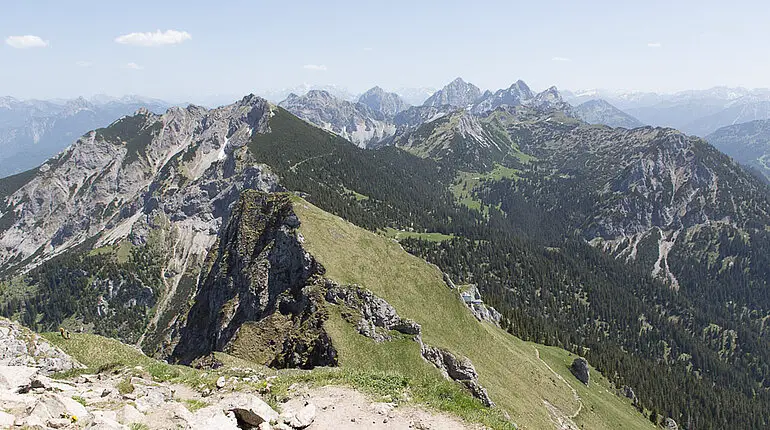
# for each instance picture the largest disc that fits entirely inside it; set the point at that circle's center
(101, 354)
(401, 234)
(465, 182)
(193, 404)
(80, 400)
(508, 367)
(125, 386)
(137, 426)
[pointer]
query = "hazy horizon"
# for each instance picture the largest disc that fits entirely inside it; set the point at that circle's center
(182, 50)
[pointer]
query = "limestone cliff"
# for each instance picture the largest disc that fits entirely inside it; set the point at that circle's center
(258, 299)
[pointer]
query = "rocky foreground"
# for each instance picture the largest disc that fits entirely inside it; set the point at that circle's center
(34, 395)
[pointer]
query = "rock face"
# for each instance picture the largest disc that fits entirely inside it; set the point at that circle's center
(353, 121)
(21, 347)
(515, 95)
(550, 99)
(472, 299)
(458, 94)
(377, 316)
(580, 369)
(378, 100)
(260, 287)
(458, 369)
(167, 180)
(601, 112)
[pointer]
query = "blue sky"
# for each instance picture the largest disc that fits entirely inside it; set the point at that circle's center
(236, 47)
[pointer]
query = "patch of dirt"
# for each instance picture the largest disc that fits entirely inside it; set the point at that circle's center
(341, 408)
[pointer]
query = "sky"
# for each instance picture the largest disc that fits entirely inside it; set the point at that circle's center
(188, 50)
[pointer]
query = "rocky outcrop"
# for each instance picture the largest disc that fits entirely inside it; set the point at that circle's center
(457, 369)
(580, 369)
(376, 317)
(21, 347)
(472, 299)
(629, 393)
(259, 299)
(670, 424)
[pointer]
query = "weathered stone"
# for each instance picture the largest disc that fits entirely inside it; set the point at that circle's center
(629, 393)
(304, 417)
(375, 312)
(580, 369)
(221, 382)
(58, 423)
(19, 346)
(213, 417)
(670, 424)
(458, 369)
(6, 420)
(54, 406)
(249, 408)
(16, 377)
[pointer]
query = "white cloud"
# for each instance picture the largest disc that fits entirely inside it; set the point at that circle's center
(157, 38)
(560, 59)
(654, 45)
(24, 42)
(316, 67)
(133, 66)
(84, 63)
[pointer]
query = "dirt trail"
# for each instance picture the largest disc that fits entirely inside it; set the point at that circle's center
(341, 408)
(575, 395)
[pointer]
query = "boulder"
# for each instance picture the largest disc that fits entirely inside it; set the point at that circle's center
(303, 417)
(629, 393)
(149, 397)
(129, 415)
(54, 406)
(16, 377)
(670, 424)
(458, 369)
(58, 423)
(249, 408)
(213, 417)
(221, 382)
(580, 369)
(6, 420)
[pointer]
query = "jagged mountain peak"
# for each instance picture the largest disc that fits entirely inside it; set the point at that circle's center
(379, 100)
(356, 122)
(457, 93)
(518, 93)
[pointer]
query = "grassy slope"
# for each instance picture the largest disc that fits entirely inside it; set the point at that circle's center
(515, 377)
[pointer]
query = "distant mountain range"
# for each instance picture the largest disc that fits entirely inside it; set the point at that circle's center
(601, 112)
(747, 143)
(32, 131)
(697, 112)
(379, 116)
